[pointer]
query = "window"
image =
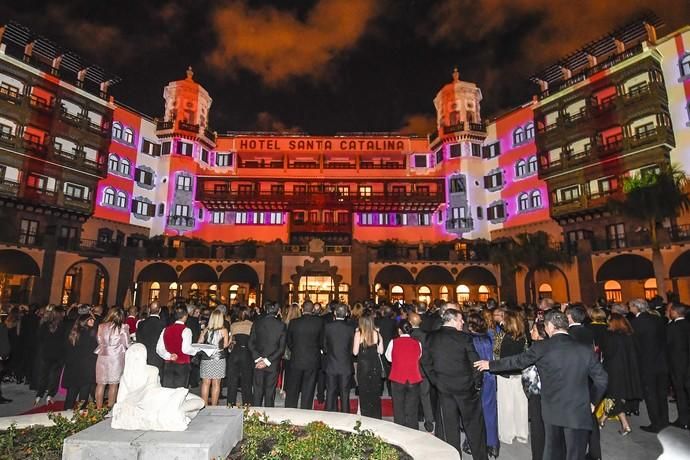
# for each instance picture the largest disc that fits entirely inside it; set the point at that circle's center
(172, 291)
(458, 213)
(613, 291)
(117, 130)
(151, 148)
(424, 294)
(455, 150)
(154, 292)
(143, 177)
(241, 217)
(518, 136)
(37, 181)
(161, 209)
(462, 293)
(184, 183)
(521, 168)
(529, 131)
(121, 200)
(532, 164)
(185, 148)
(128, 136)
(125, 168)
(75, 191)
(366, 218)
(480, 212)
(113, 163)
(607, 185)
(439, 156)
(397, 293)
(424, 218)
(276, 218)
(535, 199)
(182, 210)
(492, 150)
(204, 155)
(443, 293)
(496, 212)
(648, 129)
(223, 159)
(218, 217)
(494, 180)
(483, 293)
(343, 190)
(615, 235)
(476, 150)
(650, 290)
(569, 194)
(523, 202)
(365, 190)
(420, 161)
(142, 208)
(28, 231)
(166, 148)
(259, 218)
(109, 196)
(685, 65)
(545, 291)
(457, 184)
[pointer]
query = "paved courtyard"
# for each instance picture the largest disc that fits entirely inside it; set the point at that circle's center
(636, 446)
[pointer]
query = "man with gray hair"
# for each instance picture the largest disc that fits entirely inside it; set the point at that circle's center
(649, 335)
(565, 367)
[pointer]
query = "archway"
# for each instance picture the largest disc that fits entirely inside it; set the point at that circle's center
(85, 281)
(424, 294)
(532, 293)
(679, 272)
(393, 274)
(629, 272)
(462, 293)
(443, 293)
(246, 281)
(198, 272)
(157, 273)
(397, 293)
(650, 289)
(483, 293)
(475, 275)
(613, 291)
(434, 275)
(17, 273)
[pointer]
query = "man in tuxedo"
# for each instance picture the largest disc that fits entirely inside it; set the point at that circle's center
(304, 340)
(678, 350)
(448, 362)
(577, 315)
(565, 368)
(148, 332)
(337, 345)
(267, 345)
(649, 335)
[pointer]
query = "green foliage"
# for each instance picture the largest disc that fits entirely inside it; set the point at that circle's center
(45, 442)
(266, 441)
(532, 251)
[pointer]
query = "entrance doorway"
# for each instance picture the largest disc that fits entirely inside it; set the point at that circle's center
(317, 288)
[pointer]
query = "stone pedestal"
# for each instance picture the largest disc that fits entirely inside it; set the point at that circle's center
(212, 434)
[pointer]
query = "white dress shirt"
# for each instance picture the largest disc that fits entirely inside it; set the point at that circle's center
(186, 344)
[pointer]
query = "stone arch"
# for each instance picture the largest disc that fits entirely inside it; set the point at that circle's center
(681, 266)
(239, 273)
(626, 267)
(434, 274)
(394, 274)
(15, 262)
(157, 271)
(198, 272)
(476, 275)
(76, 280)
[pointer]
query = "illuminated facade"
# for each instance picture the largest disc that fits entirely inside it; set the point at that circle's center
(172, 209)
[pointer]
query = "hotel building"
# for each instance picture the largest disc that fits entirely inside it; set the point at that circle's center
(108, 205)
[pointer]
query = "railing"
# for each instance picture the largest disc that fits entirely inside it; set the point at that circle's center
(164, 125)
(339, 165)
(481, 127)
(460, 223)
(181, 221)
(71, 118)
(366, 164)
(621, 242)
(40, 194)
(183, 125)
(77, 202)
(106, 247)
(7, 138)
(9, 187)
(208, 134)
(34, 146)
(304, 165)
(273, 164)
(459, 126)
(314, 227)
(98, 129)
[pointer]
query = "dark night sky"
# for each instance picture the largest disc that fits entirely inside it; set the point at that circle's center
(325, 66)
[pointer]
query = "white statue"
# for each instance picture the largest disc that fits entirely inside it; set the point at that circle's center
(142, 404)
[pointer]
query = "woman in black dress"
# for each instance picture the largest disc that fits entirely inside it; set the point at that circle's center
(368, 347)
(80, 361)
(240, 365)
(49, 353)
(620, 362)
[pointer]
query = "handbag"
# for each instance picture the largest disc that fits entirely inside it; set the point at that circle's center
(384, 372)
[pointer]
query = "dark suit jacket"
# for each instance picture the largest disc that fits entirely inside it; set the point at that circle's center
(421, 336)
(388, 328)
(304, 339)
(565, 367)
(4, 341)
(337, 344)
(267, 339)
(678, 347)
(431, 322)
(194, 325)
(449, 362)
(148, 333)
(582, 334)
(650, 343)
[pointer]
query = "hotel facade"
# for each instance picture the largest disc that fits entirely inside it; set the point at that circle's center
(104, 204)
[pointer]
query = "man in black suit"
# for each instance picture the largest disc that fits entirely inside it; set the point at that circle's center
(565, 368)
(577, 315)
(267, 345)
(148, 332)
(678, 349)
(649, 336)
(337, 345)
(304, 340)
(448, 364)
(388, 328)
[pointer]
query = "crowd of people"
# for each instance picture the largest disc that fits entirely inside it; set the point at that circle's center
(551, 374)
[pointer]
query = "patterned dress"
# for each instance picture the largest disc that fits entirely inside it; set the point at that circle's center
(112, 345)
(213, 367)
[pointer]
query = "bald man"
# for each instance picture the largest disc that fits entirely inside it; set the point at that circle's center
(425, 387)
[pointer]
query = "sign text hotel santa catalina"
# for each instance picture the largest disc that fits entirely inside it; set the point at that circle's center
(320, 145)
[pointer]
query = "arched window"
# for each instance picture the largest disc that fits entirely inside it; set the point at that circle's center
(397, 293)
(117, 130)
(483, 293)
(529, 131)
(650, 290)
(232, 292)
(462, 293)
(113, 163)
(172, 292)
(443, 293)
(121, 201)
(154, 291)
(213, 294)
(109, 196)
(685, 65)
(613, 291)
(521, 168)
(523, 202)
(128, 136)
(532, 164)
(194, 293)
(343, 292)
(518, 136)
(535, 199)
(125, 168)
(545, 291)
(424, 294)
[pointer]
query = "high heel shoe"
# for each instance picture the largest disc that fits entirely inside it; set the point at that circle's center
(49, 400)
(625, 432)
(37, 401)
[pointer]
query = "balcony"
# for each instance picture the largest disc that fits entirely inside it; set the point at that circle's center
(9, 187)
(7, 138)
(210, 135)
(660, 134)
(261, 164)
(320, 227)
(41, 104)
(32, 144)
(304, 165)
(40, 195)
(680, 233)
(102, 131)
(560, 208)
(633, 240)
(381, 164)
(184, 126)
(339, 165)
(79, 203)
(71, 118)
(454, 128)
(164, 125)
(480, 127)
(181, 221)
(463, 224)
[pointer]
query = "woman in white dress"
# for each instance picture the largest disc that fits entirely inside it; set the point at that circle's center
(213, 367)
